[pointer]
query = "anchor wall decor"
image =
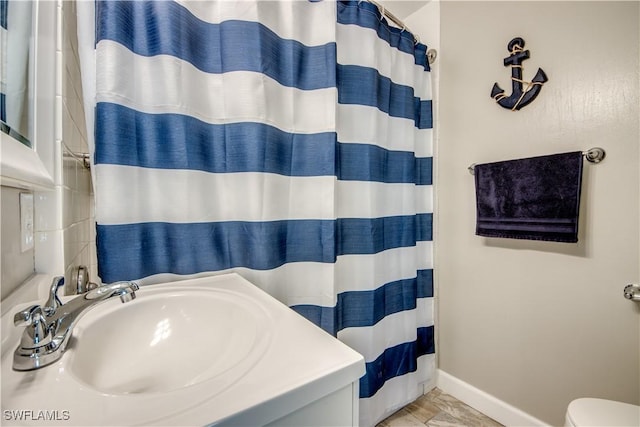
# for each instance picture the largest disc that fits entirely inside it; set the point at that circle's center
(520, 96)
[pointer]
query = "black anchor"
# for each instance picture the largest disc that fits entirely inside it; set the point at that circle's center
(519, 97)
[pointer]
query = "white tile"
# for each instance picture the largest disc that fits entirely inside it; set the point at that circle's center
(66, 87)
(59, 28)
(69, 170)
(71, 27)
(84, 183)
(67, 123)
(82, 127)
(77, 109)
(75, 207)
(83, 207)
(77, 140)
(93, 273)
(92, 232)
(68, 272)
(49, 246)
(48, 210)
(58, 114)
(59, 78)
(85, 257)
(74, 72)
(67, 217)
(71, 246)
(57, 162)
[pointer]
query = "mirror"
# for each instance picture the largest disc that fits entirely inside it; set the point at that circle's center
(29, 165)
(16, 69)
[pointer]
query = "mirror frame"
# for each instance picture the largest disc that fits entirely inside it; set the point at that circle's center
(35, 168)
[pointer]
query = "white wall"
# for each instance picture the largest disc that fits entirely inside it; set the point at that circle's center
(538, 324)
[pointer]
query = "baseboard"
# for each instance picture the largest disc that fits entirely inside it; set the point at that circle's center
(489, 405)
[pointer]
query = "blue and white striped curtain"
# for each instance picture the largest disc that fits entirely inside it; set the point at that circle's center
(384, 134)
(288, 141)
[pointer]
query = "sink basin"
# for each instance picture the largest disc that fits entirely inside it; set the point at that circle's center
(165, 340)
(213, 350)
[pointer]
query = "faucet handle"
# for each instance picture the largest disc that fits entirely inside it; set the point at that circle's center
(54, 302)
(37, 332)
(28, 316)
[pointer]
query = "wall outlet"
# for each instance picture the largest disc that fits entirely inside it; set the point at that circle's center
(26, 221)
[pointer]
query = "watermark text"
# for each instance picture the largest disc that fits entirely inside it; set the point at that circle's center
(36, 415)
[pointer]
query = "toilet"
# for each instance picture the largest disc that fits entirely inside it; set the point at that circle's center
(601, 412)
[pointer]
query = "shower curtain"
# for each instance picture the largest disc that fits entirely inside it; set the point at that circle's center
(288, 141)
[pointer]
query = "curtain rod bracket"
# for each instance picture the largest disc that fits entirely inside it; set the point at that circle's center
(432, 54)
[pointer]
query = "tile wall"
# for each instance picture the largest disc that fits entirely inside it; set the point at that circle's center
(64, 224)
(77, 195)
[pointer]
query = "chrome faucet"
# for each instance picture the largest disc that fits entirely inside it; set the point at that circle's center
(49, 328)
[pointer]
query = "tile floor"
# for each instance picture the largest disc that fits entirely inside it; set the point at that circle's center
(438, 409)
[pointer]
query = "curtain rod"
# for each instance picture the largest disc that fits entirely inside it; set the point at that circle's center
(431, 53)
(84, 158)
(391, 16)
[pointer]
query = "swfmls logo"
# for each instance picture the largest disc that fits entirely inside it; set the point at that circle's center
(37, 415)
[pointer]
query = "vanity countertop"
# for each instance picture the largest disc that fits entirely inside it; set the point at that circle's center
(298, 364)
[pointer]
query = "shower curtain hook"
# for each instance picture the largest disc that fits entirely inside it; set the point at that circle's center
(382, 12)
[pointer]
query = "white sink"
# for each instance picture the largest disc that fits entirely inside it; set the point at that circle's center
(167, 339)
(213, 350)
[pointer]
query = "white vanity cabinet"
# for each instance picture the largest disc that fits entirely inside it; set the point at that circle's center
(339, 408)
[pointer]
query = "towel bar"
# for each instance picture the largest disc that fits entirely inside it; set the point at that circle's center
(593, 155)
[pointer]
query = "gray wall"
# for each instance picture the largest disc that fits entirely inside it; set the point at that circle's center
(538, 324)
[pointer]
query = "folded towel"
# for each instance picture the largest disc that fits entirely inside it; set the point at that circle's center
(536, 198)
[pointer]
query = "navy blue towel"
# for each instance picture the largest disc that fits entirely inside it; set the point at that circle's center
(536, 198)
